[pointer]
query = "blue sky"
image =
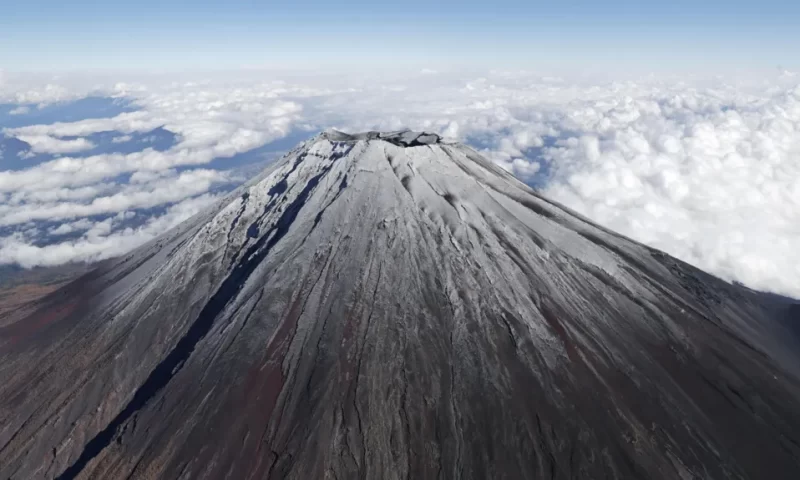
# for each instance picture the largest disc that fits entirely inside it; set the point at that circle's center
(44, 35)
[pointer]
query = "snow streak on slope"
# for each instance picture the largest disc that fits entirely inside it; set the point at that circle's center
(394, 306)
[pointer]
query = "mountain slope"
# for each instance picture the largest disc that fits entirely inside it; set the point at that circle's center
(393, 306)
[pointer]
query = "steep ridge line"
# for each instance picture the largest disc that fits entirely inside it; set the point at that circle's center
(175, 360)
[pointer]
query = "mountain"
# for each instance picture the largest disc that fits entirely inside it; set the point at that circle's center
(391, 305)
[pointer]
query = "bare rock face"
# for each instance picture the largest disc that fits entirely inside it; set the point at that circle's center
(386, 306)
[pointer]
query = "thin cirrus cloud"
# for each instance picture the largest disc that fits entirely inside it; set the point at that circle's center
(706, 170)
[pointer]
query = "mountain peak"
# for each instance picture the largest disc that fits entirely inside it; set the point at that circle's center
(368, 309)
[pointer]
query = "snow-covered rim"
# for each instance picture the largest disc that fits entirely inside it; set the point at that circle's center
(401, 138)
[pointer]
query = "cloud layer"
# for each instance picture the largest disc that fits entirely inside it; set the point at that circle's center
(705, 169)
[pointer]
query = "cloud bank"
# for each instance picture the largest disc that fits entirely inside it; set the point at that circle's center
(707, 170)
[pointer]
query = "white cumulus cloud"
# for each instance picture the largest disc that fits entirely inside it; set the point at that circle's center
(53, 145)
(101, 241)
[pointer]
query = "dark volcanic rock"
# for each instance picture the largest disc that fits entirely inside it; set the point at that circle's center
(393, 306)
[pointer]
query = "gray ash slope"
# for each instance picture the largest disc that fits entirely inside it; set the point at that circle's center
(393, 306)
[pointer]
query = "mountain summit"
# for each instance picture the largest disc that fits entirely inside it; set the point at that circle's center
(391, 305)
